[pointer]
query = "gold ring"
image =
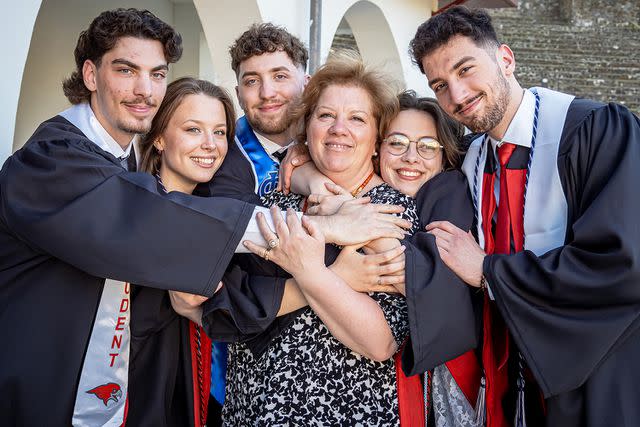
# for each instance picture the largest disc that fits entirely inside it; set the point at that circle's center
(265, 254)
(379, 281)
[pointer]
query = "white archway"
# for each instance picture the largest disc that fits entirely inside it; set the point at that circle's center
(383, 30)
(374, 37)
(16, 25)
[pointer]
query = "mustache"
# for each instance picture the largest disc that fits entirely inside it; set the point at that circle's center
(272, 102)
(147, 101)
(461, 107)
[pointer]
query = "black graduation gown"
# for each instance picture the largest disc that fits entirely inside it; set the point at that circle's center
(442, 320)
(160, 371)
(69, 217)
(235, 176)
(574, 311)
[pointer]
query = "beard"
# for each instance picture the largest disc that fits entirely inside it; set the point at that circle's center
(273, 125)
(135, 125)
(495, 112)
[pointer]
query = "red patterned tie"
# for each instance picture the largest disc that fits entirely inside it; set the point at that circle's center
(509, 227)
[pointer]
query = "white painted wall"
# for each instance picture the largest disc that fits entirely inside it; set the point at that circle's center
(43, 38)
(16, 26)
(50, 58)
(381, 40)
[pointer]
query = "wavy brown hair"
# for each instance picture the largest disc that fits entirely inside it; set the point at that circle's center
(450, 132)
(103, 34)
(176, 93)
(267, 38)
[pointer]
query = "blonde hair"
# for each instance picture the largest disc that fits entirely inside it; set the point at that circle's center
(348, 69)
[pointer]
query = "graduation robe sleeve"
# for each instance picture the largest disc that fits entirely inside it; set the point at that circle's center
(442, 320)
(247, 303)
(65, 197)
(235, 177)
(575, 310)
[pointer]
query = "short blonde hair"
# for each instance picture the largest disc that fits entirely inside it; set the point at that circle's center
(348, 69)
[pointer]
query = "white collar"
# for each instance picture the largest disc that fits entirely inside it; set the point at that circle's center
(520, 129)
(271, 147)
(82, 116)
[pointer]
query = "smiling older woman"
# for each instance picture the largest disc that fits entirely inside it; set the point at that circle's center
(333, 364)
(419, 156)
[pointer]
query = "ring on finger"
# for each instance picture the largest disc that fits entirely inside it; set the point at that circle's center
(273, 243)
(379, 281)
(265, 254)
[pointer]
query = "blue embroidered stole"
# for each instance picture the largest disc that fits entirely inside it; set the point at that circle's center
(264, 167)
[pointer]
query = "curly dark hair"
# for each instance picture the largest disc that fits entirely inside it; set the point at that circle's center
(103, 34)
(267, 38)
(457, 21)
(450, 132)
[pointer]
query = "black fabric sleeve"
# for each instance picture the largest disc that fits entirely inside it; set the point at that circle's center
(570, 307)
(234, 178)
(65, 197)
(244, 307)
(442, 320)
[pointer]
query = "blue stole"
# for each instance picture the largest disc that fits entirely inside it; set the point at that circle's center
(265, 169)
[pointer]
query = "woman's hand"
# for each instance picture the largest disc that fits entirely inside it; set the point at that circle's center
(328, 204)
(370, 272)
(296, 246)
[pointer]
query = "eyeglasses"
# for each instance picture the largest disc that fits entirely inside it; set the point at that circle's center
(398, 144)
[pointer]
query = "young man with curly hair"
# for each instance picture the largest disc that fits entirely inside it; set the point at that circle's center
(270, 65)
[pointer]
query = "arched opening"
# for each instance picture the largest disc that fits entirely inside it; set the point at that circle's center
(54, 37)
(371, 35)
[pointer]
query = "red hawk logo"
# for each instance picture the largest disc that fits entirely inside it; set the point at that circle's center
(107, 392)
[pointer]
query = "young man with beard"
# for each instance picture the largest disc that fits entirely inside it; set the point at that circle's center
(558, 252)
(76, 227)
(270, 64)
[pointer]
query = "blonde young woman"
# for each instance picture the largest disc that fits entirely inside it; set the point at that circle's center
(171, 355)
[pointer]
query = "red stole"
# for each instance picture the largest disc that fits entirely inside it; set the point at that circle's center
(509, 226)
(200, 346)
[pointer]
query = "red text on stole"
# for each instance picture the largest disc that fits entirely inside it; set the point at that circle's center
(116, 342)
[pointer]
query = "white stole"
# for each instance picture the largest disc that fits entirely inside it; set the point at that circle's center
(545, 209)
(102, 391)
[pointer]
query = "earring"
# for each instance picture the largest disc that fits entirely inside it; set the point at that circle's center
(375, 154)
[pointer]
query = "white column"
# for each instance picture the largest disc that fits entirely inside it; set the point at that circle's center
(16, 26)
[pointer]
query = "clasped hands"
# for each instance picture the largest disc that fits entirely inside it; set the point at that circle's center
(356, 224)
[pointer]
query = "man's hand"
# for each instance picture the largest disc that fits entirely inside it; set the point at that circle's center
(188, 305)
(297, 155)
(459, 251)
(328, 204)
(373, 272)
(358, 221)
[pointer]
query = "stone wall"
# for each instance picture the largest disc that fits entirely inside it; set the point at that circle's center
(590, 48)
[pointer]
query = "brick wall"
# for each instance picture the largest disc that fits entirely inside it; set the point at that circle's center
(590, 48)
